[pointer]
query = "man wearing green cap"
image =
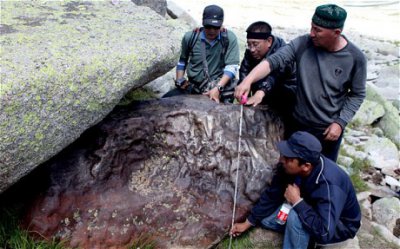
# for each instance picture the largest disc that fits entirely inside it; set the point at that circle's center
(331, 76)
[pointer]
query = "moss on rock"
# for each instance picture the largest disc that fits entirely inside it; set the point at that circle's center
(65, 65)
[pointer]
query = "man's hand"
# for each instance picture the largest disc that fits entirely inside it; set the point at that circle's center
(239, 228)
(213, 94)
(333, 132)
(292, 193)
(242, 89)
(256, 98)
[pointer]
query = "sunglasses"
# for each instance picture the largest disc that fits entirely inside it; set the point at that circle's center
(211, 27)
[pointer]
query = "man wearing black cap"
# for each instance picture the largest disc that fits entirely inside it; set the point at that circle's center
(324, 203)
(331, 76)
(280, 85)
(210, 57)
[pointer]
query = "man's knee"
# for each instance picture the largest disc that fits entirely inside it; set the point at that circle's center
(293, 219)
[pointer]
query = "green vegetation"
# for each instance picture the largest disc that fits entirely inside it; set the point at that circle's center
(137, 95)
(12, 237)
(358, 182)
(359, 166)
(240, 242)
(143, 242)
(244, 242)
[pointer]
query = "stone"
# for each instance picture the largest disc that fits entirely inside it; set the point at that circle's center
(164, 169)
(393, 183)
(381, 153)
(396, 229)
(176, 12)
(159, 6)
(386, 234)
(390, 122)
(163, 84)
(345, 161)
(263, 238)
(386, 211)
(64, 68)
(368, 113)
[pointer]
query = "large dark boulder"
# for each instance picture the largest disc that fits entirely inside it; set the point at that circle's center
(162, 169)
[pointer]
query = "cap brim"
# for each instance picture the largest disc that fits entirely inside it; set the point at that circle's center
(212, 22)
(285, 150)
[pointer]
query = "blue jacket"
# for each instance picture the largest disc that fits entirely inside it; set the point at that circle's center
(329, 210)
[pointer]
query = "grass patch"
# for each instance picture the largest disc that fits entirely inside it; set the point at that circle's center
(137, 95)
(240, 242)
(359, 166)
(12, 237)
(358, 183)
(143, 242)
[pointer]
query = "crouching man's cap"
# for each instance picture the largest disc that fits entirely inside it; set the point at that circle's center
(329, 16)
(302, 145)
(213, 15)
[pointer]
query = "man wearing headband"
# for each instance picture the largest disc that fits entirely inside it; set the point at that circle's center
(331, 78)
(279, 86)
(324, 204)
(210, 58)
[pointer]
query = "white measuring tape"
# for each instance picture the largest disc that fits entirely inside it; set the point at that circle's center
(237, 173)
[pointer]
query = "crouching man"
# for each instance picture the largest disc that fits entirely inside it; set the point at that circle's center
(324, 206)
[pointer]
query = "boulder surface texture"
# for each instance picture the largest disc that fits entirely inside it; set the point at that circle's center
(65, 65)
(163, 170)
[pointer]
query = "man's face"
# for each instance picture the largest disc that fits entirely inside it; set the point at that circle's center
(211, 32)
(259, 48)
(291, 165)
(323, 37)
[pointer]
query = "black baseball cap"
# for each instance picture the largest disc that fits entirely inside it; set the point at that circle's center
(302, 145)
(213, 15)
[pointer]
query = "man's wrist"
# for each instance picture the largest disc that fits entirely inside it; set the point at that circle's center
(180, 82)
(220, 87)
(297, 202)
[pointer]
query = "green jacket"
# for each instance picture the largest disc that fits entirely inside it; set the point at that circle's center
(218, 64)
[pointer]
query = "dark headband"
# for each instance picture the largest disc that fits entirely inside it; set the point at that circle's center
(258, 35)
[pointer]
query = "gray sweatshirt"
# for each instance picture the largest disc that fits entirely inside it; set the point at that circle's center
(331, 85)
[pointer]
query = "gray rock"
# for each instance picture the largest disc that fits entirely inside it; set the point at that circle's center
(163, 84)
(177, 12)
(393, 183)
(386, 234)
(385, 211)
(391, 120)
(377, 132)
(345, 161)
(368, 113)
(64, 68)
(382, 153)
(353, 152)
(159, 6)
(380, 191)
(262, 238)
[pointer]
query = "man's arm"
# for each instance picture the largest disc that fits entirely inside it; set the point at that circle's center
(322, 219)
(260, 71)
(183, 60)
(231, 61)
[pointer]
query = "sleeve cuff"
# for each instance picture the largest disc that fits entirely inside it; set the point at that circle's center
(301, 199)
(341, 122)
(251, 220)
